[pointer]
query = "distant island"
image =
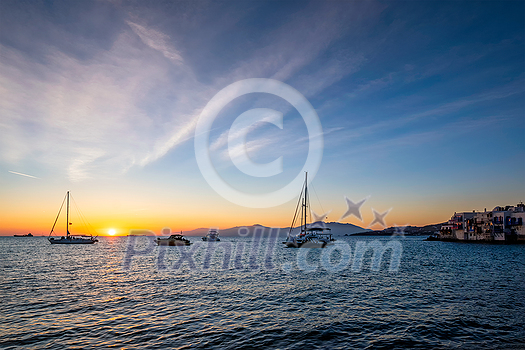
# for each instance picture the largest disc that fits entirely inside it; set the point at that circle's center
(337, 228)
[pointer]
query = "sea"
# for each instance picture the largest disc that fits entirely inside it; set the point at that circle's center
(253, 293)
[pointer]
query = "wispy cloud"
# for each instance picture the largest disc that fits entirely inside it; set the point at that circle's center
(372, 85)
(250, 147)
(237, 136)
(92, 117)
(413, 139)
(293, 51)
(157, 41)
(178, 136)
(100, 116)
(81, 166)
(22, 174)
(443, 109)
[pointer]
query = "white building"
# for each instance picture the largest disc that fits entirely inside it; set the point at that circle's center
(502, 224)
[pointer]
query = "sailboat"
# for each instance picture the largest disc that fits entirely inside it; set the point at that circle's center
(312, 236)
(69, 238)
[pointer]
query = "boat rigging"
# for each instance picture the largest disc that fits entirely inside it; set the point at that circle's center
(69, 238)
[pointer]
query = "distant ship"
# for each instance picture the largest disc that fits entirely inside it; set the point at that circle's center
(313, 236)
(28, 235)
(69, 238)
(212, 236)
(501, 225)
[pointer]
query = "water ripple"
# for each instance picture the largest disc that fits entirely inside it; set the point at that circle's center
(443, 296)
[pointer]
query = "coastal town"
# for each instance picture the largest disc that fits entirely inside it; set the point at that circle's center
(500, 225)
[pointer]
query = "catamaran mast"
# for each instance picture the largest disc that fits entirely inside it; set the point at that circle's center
(305, 199)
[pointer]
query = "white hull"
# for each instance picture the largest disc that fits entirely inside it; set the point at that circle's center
(171, 243)
(212, 236)
(310, 244)
(73, 241)
(173, 240)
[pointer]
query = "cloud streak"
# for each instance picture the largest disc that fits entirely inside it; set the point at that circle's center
(22, 174)
(95, 118)
(157, 41)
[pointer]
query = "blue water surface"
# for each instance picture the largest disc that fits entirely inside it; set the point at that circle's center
(128, 294)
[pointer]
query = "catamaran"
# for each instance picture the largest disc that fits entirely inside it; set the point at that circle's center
(69, 238)
(315, 235)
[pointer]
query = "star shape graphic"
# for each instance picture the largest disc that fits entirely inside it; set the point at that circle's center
(318, 220)
(353, 208)
(379, 218)
(322, 217)
(399, 231)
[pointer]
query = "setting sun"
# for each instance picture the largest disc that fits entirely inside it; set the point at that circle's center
(112, 232)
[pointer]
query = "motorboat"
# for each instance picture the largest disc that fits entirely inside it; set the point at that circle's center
(173, 240)
(212, 236)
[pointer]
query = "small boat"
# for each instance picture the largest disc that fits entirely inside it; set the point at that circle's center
(28, 235)
(173, 240)
(433, 237)
(69, 238)
(315, 235)
(212, 236)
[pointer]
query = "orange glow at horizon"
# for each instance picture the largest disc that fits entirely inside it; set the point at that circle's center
(35, 211)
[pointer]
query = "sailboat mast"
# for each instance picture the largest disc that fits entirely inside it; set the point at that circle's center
(67, 215)
(305, 198)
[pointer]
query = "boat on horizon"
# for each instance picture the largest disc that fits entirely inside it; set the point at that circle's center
(27, 235)
(315, 235)
(212, 236)
(173, 240)
(69, 238)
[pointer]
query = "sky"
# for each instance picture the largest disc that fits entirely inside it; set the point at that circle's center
(419, 108)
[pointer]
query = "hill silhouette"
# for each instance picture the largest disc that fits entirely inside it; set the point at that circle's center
(337, 229)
